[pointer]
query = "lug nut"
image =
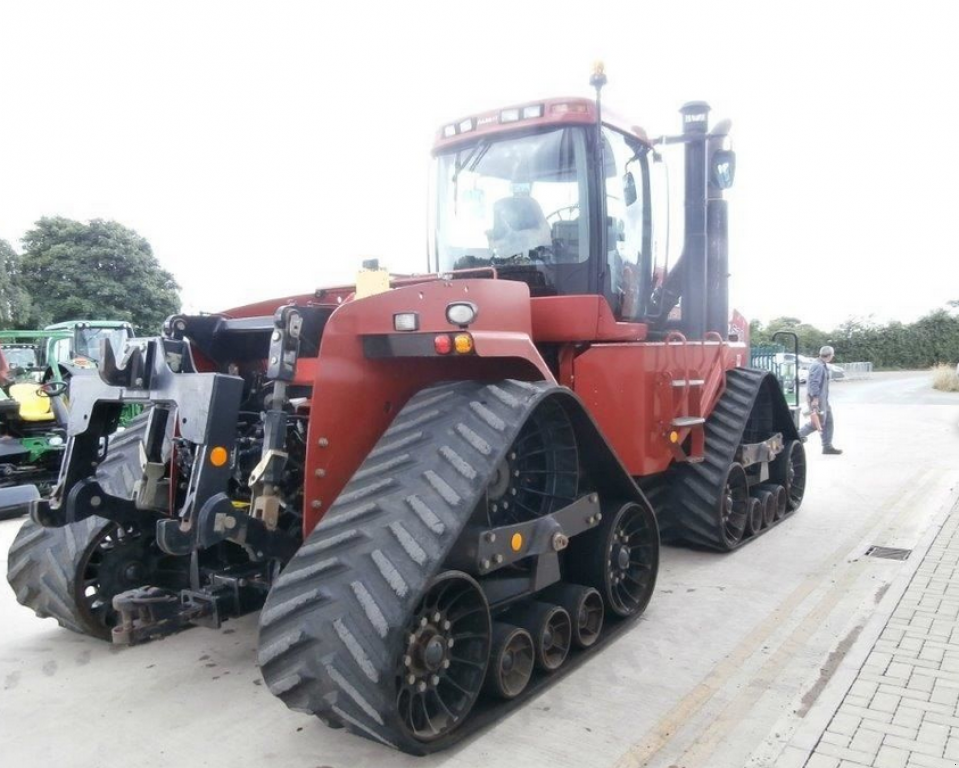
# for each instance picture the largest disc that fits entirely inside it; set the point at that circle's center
(446, 625)
(407, 661)
(446, 663)
(449, 643)
(411, 679)
(436, 617)
(421, 686)
(484, 565)
(497, 559)
(424, 621)
(435, 680)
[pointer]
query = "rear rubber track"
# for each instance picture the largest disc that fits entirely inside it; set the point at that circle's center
(43, 563)
(689, 514)
(333, 624)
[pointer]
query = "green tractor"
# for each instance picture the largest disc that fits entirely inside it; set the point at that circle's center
(35, 372)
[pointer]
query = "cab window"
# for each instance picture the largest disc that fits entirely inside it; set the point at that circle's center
(628, 224)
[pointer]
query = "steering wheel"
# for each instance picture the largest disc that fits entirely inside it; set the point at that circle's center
(52, 389)
(563, 214)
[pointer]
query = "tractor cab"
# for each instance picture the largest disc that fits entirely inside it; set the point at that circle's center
(573, 200)
(520, 191)
(81, 346)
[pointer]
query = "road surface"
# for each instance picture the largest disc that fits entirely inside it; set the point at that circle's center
(732, 654)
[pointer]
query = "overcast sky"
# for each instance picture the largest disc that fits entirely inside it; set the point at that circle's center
(265, 149)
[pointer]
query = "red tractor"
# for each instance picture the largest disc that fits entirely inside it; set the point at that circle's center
(442, 491)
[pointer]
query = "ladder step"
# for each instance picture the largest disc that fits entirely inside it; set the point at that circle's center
(688, 382)
(688, 421)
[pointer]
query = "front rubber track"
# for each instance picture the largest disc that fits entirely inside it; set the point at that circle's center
(333, 623)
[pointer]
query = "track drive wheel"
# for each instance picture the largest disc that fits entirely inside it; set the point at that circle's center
(442, 662)
(619, 558)
(789, 470)
(72, 573)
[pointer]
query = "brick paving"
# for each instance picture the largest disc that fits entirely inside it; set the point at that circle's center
(903, 709)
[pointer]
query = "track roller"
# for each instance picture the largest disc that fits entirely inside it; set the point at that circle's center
(779, 493)
(511, 661)
(767, 501)
(754, 516)
(585, 607)
(551, 629)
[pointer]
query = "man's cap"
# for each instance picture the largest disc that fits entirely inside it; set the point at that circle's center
(827, 351)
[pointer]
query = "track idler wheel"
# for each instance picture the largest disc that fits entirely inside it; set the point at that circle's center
(585, 608)
(789, 471)
(511, 661)
(779, 495)
(754, 516)
(442, 663)
(619, 558)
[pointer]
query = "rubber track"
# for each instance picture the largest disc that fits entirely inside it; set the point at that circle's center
(333, 623)
(690, 512)
(43, 562)
(42, 569)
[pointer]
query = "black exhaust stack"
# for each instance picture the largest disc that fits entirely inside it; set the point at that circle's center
(695, 272)
(721, 164)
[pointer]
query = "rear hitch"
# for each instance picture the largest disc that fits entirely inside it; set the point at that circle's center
(151, 613)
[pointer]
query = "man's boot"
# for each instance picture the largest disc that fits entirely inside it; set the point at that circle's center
(831, 451)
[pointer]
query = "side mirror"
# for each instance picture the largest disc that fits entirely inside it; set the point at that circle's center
(723, 170)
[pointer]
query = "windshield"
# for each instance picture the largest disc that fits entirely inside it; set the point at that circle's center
(514, 202)
(87, 342)
(20, 357)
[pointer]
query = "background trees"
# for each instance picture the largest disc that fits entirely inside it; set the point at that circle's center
(931, 340)
(96, 271)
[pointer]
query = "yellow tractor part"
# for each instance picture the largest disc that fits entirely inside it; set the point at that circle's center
(33, 407)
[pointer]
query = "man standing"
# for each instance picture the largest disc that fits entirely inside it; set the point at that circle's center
(817, 397)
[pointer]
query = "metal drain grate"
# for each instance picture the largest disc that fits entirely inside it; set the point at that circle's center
(888, 553)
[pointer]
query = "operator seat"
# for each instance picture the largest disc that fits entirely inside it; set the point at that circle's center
(519, 226)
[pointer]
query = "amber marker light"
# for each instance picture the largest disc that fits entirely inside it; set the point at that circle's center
(463, 343)
(516, 542)
(219, 456)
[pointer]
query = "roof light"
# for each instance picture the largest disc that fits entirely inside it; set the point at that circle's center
(509, 115)
(449, 131)
(565, 107)
(534, 110)
(467, 125)
(461, 313)
(406, 321)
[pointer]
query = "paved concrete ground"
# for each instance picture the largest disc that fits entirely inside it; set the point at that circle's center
(732, 657)
(902, 709)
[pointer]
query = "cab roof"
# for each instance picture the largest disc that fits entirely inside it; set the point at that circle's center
(570, 110)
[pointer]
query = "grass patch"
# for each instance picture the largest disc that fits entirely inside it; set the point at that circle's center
(945, 378)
